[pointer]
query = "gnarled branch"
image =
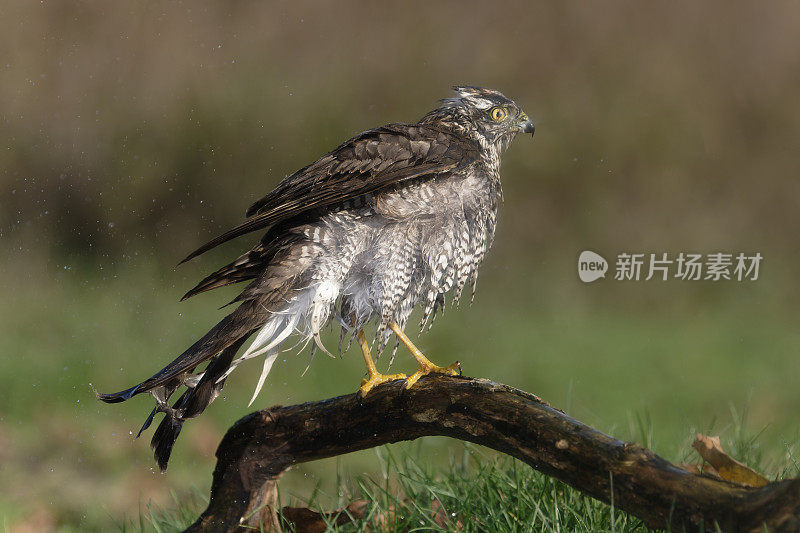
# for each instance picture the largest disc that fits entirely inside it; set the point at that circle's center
(262, 445)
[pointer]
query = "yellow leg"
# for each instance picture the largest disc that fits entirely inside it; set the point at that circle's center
(373, 376)
(425, 365)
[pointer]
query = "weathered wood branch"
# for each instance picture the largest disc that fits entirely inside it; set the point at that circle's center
(261, 446)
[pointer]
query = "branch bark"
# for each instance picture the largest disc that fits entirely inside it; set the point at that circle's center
(262, 445)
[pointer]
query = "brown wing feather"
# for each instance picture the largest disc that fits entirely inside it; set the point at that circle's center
(246, 267)
(371, 161)
(250, 264)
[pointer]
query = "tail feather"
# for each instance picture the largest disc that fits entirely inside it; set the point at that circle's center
(162, 395)
(192, 403)
(274, 332)
(210, 385)
(147, 422)
(268, 360)
(164, 439)
(237, 325)
(220, 346)
(275, 304)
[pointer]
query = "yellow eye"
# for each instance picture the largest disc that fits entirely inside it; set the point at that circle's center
(498, 114)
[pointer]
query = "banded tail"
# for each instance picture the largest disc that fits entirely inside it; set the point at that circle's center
(276, 302)
(219, 346)
(277, 317)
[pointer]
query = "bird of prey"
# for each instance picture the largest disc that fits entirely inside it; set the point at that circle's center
(397, 216)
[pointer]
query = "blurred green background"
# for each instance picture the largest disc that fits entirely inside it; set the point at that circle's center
(130, 133)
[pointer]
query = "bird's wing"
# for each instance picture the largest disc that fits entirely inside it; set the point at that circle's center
(250, 264)
(367, 163)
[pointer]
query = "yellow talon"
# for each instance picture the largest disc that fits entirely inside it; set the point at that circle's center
(451, 370)
(374, 377)
(425, 365)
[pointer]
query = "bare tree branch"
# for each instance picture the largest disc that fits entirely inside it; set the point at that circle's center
(262, 445)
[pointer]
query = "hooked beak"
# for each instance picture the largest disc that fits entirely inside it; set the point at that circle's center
(526, 126)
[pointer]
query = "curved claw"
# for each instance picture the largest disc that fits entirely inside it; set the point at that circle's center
(377, 379)
(424, 370)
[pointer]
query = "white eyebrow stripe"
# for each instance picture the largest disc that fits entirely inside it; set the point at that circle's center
(480, 103)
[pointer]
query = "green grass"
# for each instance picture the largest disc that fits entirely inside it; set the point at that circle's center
(478, 490)
(652, 374)
(487, 494)
(481, 492)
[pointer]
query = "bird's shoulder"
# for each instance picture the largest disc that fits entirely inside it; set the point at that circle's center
(374, 159)
(368, 163)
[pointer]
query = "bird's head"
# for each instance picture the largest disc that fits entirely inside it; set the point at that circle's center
(484, 115)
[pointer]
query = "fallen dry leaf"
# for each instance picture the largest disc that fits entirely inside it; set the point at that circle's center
(728, 468)
(305, 520)
(701, 469)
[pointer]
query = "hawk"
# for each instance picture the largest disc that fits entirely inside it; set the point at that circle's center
(397, 216)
